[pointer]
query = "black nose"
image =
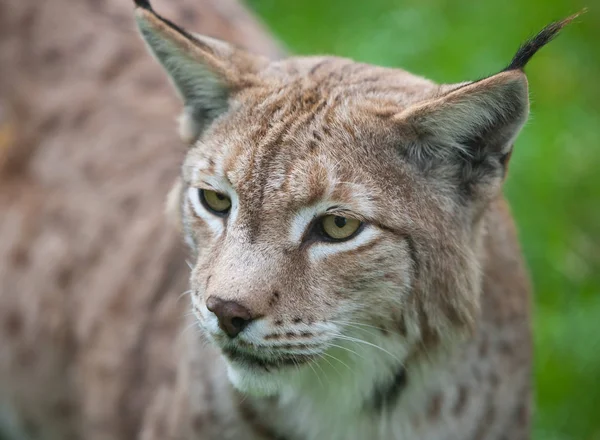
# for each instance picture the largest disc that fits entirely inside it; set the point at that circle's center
(233, 317)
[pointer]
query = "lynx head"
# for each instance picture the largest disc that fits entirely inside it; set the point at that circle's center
(333, 208)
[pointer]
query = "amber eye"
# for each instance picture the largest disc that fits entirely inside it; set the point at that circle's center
(215, 202)
(339, 228)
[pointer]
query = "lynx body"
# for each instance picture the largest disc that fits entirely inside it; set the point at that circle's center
(354, 268)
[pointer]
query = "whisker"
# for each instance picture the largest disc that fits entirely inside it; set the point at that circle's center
(339, 360)
(295, 363)
(189, 327)
(322, 356)
(348, 324)
(187, 292)
(360, 341)
(425, 350)
(349, 350)
(244, 397)
(314, 371)
(320, 368)
(357, 323)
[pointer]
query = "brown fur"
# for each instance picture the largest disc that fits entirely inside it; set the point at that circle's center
(90, 271)
(422, 165)
(427, 306)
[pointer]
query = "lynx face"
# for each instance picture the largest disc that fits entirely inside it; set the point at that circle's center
(333, 208)
(304, 238)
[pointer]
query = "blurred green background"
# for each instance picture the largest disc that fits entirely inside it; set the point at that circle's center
(554, 179)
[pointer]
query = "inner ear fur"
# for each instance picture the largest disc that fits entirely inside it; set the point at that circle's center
(480, 117)
(466, 134)
(205, 71)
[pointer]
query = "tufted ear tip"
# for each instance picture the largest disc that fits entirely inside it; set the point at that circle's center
(143, 4)
(531, 46)
(204, 71)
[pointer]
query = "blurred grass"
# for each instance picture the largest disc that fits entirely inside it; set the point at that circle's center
(554, 180)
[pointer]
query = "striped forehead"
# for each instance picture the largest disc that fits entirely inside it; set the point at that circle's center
(286, 155)
(287, 182)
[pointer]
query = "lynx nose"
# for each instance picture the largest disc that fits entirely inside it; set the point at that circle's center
(232, 316)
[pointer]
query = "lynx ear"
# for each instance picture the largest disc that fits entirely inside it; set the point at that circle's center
(205, 71)
(472, 120)
(466, 133)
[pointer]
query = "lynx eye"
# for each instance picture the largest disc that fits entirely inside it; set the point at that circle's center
(215, 202)
(338, 228)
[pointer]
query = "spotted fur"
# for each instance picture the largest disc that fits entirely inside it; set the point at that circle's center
(402, 331)
(416, 328)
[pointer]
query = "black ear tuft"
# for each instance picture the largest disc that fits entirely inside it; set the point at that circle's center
(206, 72)
(530, 47)
(143, 4)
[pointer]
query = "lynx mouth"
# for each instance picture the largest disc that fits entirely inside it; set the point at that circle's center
(252, 360)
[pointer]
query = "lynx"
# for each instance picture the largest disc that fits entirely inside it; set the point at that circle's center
(354, 268)
(353, 261)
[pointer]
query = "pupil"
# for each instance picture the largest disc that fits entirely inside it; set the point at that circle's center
(340, 222)
(220, 196)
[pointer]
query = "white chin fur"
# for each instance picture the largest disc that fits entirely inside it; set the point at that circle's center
(254, 383)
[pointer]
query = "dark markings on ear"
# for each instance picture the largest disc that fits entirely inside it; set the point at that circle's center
(486, 156)
(386, 395)
(465, 136)
(204, 71)
(143, 4)
(530, 47)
